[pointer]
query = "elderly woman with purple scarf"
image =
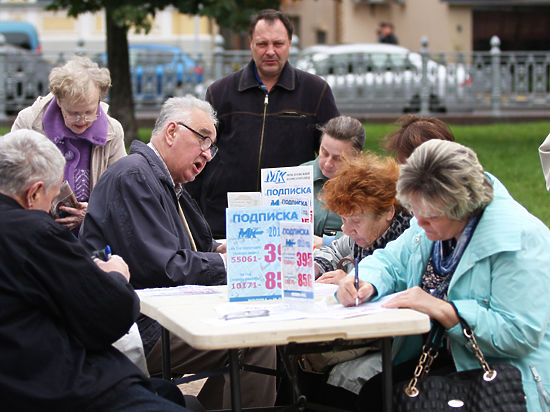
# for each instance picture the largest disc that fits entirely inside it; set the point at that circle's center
(73, 117)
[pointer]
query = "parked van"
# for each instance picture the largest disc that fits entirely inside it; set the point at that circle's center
(21, 34)
(25, 70)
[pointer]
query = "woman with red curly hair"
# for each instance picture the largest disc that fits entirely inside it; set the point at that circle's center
(363, 195)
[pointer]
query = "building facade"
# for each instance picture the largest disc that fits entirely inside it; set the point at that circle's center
(60, 33)
(449, 25)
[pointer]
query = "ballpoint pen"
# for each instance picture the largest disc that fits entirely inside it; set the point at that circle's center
(103, 254)
(357, 280)
(246, 314)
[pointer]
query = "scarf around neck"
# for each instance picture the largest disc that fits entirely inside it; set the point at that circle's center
(445, 263)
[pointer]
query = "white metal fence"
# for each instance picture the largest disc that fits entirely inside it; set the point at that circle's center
(362, 82)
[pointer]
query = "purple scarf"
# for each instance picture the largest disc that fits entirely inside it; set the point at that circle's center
(75, 147)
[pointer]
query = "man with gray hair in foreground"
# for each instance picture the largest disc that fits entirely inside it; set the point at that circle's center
(61, 311)
(141, 208)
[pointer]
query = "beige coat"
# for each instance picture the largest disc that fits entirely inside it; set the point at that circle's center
(101, 157)
(544, 152)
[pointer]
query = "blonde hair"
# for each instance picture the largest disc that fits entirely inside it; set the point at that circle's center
(72, 80)
(446, 177)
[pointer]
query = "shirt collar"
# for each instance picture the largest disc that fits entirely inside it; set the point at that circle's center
(177, 187)
(287, 79)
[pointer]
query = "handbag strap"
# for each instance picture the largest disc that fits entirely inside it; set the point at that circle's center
(544, 397)
(489, 374)
(430, 350)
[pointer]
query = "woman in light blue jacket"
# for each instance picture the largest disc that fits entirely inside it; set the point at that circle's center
(472, 244)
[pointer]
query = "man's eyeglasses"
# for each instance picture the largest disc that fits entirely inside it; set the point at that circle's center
(206, 142)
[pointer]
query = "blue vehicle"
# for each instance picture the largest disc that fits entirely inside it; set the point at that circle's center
(160, 61)
(21, 34)
(165, 58)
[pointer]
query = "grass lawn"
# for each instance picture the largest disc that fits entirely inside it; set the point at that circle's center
(507, 150)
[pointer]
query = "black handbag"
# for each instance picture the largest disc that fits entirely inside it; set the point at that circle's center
(496, 387)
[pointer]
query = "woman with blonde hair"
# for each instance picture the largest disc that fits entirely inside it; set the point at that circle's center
(74, 118)
(473, 252)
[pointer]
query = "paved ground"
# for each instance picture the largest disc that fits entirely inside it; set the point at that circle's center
(192, 388)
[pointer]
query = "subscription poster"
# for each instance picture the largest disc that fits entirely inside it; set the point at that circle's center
(254, 251)
(289, 186)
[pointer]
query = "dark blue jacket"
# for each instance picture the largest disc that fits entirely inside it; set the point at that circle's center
(59, 315)
(133, 208)
(256, 132)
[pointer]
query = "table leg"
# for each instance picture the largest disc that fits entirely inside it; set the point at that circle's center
(165, 342)
(387, 386)
(235, 379)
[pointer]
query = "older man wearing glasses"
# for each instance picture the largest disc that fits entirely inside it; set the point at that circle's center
(141, 208)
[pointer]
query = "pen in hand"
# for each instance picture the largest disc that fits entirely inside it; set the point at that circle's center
(357, 280)
(103, 254)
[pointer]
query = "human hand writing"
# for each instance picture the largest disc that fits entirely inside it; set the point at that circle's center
(347, 293)
(114, 264)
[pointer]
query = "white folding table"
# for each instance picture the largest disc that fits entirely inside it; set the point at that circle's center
(186, 316)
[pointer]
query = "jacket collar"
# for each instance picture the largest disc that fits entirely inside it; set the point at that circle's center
(8, 203)
(498, 230)
(317, 174)
(156, 163)
(247, 80)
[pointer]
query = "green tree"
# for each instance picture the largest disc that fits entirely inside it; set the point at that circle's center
(121, 15)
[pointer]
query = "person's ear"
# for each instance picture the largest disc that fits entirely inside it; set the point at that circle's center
(33, 193)
(390, 212)
(170, 133)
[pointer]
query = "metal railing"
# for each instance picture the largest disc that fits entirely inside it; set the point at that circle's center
(362, 82)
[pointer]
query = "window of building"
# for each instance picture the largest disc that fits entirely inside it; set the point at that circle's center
(321, 36)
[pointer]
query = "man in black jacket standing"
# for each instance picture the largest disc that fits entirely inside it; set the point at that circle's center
(142, 210)
(268, 113)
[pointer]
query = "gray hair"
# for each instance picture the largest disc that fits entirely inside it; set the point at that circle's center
(27, 157)
(346, 128)
(72, 80)
(180, 108)
(446, 177)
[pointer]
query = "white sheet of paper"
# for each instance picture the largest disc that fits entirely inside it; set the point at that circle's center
(281, 310)
(178, 291)
(244, 199)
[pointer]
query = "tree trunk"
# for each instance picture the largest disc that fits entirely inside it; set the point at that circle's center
(121, 101)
